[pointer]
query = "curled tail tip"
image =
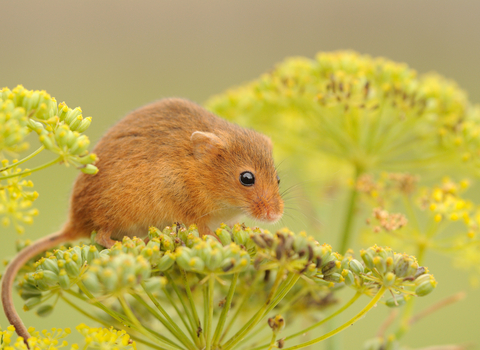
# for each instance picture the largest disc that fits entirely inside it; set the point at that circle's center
(11, 272)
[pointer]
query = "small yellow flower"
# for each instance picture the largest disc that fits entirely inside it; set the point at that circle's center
(106, 339)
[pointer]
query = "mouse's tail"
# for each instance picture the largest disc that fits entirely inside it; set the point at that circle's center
(14, 266)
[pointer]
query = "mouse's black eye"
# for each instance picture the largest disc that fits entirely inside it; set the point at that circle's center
(247, 178)
(278, 180)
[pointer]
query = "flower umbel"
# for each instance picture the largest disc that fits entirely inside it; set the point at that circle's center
(178, 264)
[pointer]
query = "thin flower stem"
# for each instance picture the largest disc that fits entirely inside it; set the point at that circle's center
(282, 310)
(282, 292)
(41, 167)
(188, 311)
(162, 320)
(284, 287)
(350, 214)
(209, 311)
(319, 323)
(335, 314)
(187, 325)
(94, 301)
(347, 324)
(167, 322)
(205, 309)
(134, 319)
(107, 325)
(259, 315)
(193, 308)
(40, 149)
(226, 309)
(118, 317)
(272, 342)
(245, 297)
(408, 309)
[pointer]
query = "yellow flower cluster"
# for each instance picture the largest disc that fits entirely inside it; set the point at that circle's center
(15, 200)
(59, 127)
(44, 340)
(453, 221)
(59, 130)
(445, 202)
(106, 339)
(375, 113)
(95, 339)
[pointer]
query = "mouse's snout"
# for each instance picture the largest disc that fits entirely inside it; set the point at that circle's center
(268, 209)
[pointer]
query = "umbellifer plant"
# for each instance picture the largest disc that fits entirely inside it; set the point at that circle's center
(249, 288)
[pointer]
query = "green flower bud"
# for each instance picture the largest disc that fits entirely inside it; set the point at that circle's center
(47, 141)
(155, 284)
(240, 236)
(30, 102)
(49, 277)
(367, 258)
(92, 254)
(349, 277)
(30, 278)
(228, 264)
(196, 264)
(34, 125)
(397, 301)
(423, 278)
(215, 260)
(84, 125)
(51, 265)
(109, 279)
(77, 256)
(62, 111)
(330, 267)
(63, 279)
(80, 145)
(72, 138)
(425, 288)
(323, 253)
(402, 265)
(31, 303)
(62, 135)
(166, 262)
(334, 277)
(389, 279)
(72, 115)
(89, 169)
(356, 267)
(224, 236)
(91, 282)
(75, 123)
(300, 241)
(44, 310)
(29, 291)
(72, 268)
(183, 257)
(380, 264)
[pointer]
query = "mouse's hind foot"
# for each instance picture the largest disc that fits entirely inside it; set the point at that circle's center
(103, 238)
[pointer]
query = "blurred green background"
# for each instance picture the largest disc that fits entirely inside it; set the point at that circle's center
(110, 57)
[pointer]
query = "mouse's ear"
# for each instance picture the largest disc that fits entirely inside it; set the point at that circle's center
(205, 144)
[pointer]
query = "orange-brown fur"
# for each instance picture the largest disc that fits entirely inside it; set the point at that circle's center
(168, 161)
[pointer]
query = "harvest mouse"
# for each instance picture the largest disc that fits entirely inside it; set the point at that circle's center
(168, 161)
